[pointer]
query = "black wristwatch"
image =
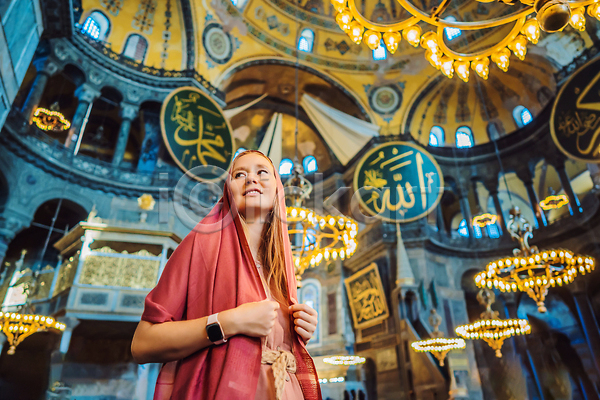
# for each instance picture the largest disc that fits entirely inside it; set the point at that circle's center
(214, 330)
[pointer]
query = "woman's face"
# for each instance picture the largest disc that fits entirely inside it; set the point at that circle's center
(253, 185)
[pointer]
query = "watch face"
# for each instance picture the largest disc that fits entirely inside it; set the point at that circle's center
(214, 332)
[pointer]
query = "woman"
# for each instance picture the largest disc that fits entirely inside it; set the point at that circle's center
(221, 314)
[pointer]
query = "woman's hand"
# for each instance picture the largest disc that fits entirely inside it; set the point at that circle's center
(254, 319)
(305, 320)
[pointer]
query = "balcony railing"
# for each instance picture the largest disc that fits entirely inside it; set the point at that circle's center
(45, 147)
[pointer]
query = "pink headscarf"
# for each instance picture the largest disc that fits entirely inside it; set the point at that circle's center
(212, 270)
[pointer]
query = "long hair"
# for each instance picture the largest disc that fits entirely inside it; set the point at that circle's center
(271, 245)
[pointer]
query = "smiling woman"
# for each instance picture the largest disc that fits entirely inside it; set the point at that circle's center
(225, 301)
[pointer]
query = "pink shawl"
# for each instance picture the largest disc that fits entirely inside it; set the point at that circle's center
(212, 270)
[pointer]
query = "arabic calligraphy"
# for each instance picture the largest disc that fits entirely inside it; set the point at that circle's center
(195, 130)
(367, 298)
(398, 181)
(575, 125)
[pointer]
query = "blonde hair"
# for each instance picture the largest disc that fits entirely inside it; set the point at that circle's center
(271, 249)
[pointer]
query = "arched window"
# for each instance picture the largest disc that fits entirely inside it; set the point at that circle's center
(451, 33)
(135, 48)
(310, 164)
(493, 231)
(463, 229)
(380, 53)
(436, 136)
(239, 3)
(309, 294)
(306, 40)
(286, 166)
(464, 137)
(241, 149)
(96, 26)
(522, 116)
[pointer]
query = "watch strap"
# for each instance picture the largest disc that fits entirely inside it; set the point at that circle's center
(213, 320)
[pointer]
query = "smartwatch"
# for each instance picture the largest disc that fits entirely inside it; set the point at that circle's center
(214, 330)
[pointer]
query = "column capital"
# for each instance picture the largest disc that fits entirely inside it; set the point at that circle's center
(45, 66)
(87, 93)
(491, 185)
(524, 174)
(129, 111)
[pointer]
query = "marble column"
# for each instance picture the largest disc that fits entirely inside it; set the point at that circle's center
(439, 220)
(11, 223)
(86, 95)
(566, 185)
(499, 212)
(535, 204)
(128, 114)
(57, 358)
(587, 321)
(151, 143)
(465, 208)
(45, 70)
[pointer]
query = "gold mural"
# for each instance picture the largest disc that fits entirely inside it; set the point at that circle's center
(367, 298)
(135, 273)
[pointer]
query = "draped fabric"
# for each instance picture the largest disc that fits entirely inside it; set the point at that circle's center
(271, 144)
(232, 112)
(345, 135)
(212, 270)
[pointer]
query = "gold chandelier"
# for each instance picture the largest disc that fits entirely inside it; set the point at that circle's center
(437, 345)
(485, 219)
(553, 202)
(50, 120)
(315, 237)
(547, 15)
(530, 270)
(17, 327)
(344, 360)
(489, 328)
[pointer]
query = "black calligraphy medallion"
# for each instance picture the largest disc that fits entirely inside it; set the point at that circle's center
(575, 119)
(398, 182)
(197, 134)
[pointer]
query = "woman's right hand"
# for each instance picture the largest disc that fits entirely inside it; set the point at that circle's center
(256, 319)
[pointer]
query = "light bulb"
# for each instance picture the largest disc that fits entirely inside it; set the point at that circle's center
(392, 40)
(372, 39)
(501, 58)
(462, 70)
(447, 67)
(412, 35)
(519, 47)
(531, 30)
(481, 67)
(339, 5)
(434, 59)
(577, 19)
(429, 41)
(594, 10)
(356, 32)
(343, 19)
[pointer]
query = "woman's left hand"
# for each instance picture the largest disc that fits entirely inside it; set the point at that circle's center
(305, 320)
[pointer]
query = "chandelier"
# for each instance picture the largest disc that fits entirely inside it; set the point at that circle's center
(554, 201)
(530, 270)
(315, 237)
(489, 328)
(344, 360)
(485, 219)
(437, 345)
(535, 15)
(17, 326)
(50, 120)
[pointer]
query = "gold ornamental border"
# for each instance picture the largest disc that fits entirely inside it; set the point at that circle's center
(165, 139)
(416, 147)
(553, 114)
(376, 320)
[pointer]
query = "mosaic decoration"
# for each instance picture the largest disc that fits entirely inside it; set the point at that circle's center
(272, 21)
(196, 133)
(463, 114)
(440, 117)
(504, 91)
(66, 274)
(366, 297)
(112, 6)
(342, 47)
(488, 110)
(385, 100)
(575, 119)
(166, 35)
(308, 14)
(144, 18)
(398, 182)
(217, 43)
